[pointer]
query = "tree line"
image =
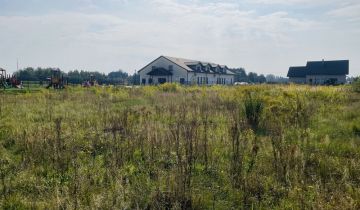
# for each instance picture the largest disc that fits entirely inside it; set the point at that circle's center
(251, 77)
(78, 77)
(122, 77)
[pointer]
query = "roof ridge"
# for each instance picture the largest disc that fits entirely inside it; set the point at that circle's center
(191, 60)
(326, 61)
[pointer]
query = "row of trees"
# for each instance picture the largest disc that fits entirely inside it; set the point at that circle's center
(78, 77)
(251, 77)
(121, 77)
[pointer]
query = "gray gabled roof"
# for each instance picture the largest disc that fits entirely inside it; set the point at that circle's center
(181, 62)
(297, 71)
(189, 64)
(339, 67)
(336, 67)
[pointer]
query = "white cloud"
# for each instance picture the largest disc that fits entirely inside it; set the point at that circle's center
(349, 11)
(308, 3)
(218, 32)
(227, 19)
(89, 40)
(281, 1)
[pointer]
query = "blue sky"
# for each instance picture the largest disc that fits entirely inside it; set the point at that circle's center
(263, 36)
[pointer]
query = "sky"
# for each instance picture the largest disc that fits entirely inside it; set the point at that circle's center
(263, 36)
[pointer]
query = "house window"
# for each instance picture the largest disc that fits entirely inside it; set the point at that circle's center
(198, 68)
(170, 67)
(161, 80)
(182, 81)
(150, 81)
(143, 81)
(221, 81)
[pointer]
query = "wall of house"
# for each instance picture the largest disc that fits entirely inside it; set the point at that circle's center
(180, 73)
(212, 79)
(321, 79)
(177, 71)
(297, 80)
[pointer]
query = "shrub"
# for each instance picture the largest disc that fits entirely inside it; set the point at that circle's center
(356, 84)
(169, 87)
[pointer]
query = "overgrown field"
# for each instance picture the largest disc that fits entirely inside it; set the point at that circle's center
(172, 147)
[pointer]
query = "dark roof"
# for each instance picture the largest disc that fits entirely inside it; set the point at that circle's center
(190, 65)
(159, 72)
(213, 67)
(340, 67)
(297, 71)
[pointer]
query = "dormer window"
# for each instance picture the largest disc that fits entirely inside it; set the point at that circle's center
(224, 70)
(198, 67)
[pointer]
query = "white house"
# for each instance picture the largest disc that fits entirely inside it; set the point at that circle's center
(320, 72)
(184, 71)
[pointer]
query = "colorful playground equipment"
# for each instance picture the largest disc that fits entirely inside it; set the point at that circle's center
(7, 81)
(57, 80)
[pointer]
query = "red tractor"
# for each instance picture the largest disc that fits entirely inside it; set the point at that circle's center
(7, 81)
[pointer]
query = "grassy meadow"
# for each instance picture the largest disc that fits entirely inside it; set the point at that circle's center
(173, 147)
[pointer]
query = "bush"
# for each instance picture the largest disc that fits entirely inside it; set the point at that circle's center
(356, 84)
(169, 87)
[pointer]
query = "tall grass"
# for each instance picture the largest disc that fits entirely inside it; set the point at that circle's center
(173, 147)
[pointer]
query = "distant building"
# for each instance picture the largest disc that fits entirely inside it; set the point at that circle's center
(184, 71)
(320, 72)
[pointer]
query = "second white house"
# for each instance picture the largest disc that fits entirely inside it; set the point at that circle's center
(185, 71)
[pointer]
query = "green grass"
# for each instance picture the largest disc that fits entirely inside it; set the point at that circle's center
(259, 147)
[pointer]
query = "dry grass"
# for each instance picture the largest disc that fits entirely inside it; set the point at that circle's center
(170, 147)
